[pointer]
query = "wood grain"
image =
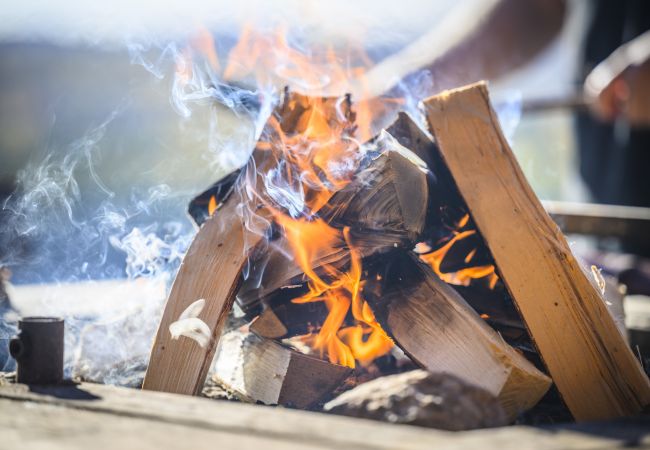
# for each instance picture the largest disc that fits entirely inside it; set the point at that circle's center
(586, 355)
(432, 323)
(262, 370)
(211, 271)
(104, 417)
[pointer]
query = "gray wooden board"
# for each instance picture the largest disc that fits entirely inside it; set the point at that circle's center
(102, 417)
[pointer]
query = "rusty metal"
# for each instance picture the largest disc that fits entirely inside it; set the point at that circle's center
(38, 350)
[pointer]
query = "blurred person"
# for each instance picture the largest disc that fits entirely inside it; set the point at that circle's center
(490, 38)
(614, 137)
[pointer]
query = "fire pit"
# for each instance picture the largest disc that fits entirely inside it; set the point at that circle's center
(348, 244)
(372, 256)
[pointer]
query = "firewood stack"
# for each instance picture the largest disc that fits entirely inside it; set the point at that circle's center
(440, 247)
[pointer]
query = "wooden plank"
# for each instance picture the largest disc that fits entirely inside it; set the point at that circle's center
(262, 370)
(586, 355)
(102, 417)
(432, 323)
(210, 271)
(230, 422)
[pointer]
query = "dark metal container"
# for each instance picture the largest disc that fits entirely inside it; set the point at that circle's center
(38, 350)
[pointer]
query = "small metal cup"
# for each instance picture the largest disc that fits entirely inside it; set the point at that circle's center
(38, 350)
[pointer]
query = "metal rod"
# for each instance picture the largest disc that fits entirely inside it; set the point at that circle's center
(569, 103)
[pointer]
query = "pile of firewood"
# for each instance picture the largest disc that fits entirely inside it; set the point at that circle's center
(538, 320)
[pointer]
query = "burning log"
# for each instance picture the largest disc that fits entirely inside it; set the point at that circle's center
(206, 284)
(288, 319)
(442, 333)
(384, 206)
(261, 370)
(596, 373)
(210, 272)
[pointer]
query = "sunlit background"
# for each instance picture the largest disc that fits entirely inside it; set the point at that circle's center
(98, 163)
(73, 81)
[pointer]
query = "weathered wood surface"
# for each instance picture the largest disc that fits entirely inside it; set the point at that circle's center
(432, 323)
(261, 370)
(210, 271)
(586, 355)
(106, 417)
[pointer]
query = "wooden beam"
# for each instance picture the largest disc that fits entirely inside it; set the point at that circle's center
(432, 323)
(262, 370)
(102, 417)
(586, 355)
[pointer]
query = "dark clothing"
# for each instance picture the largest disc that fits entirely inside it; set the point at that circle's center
(614, 158)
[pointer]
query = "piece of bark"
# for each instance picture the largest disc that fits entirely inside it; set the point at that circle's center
(262, 370)
(435, 400)
(596, 373)
(384, 205)
(429, 320)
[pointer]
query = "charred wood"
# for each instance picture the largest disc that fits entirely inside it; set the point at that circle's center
(434, 326)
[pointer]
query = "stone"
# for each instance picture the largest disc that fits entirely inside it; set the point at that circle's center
(418, 397)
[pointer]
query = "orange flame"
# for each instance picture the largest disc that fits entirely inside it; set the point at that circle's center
(463, 276)
(366, 340)
(318, 145)
(212, 205)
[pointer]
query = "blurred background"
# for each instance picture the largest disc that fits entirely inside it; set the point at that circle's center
(100, 154)
(74, 82)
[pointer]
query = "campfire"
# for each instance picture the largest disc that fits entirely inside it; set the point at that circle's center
(355, 249)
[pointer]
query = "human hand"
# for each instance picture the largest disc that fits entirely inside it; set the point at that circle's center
(619, 87)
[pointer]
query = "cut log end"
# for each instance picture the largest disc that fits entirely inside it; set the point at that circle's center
(261, 370)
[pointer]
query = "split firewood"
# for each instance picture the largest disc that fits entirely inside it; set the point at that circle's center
(435, 400)
(207, 281)
(210, 273)
(384, 205)
(262, 370)
(409, 134)
(204, 289)
(289, 319)
(596, 373)
(435, 327)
